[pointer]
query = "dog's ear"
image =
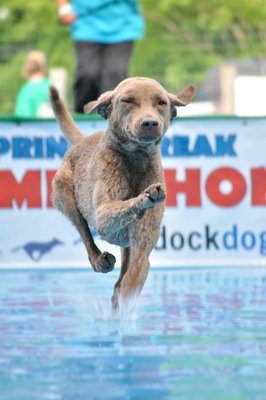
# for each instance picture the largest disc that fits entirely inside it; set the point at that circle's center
(186, 96)
(182, 99)
(102, 106)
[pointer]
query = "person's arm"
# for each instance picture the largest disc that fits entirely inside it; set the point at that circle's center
(65, 12)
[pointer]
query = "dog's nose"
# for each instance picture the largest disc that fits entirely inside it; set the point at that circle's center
(149, 130)
(149, 123)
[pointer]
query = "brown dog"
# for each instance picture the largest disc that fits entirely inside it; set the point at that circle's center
(114, 180)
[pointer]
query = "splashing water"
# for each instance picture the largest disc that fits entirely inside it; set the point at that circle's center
(197, 334)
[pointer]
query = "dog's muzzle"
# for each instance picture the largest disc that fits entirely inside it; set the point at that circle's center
(149, 130)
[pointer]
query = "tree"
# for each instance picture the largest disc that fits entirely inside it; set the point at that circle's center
(183, 39)
(31, 24)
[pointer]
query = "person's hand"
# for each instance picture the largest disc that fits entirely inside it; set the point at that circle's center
(66, 14)
(68, 18)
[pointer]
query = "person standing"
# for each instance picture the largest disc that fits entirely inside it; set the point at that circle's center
(103, 32)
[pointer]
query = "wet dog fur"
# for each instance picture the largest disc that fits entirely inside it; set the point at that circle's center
(113, 181)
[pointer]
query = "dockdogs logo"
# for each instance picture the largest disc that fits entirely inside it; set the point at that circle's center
(210, 239)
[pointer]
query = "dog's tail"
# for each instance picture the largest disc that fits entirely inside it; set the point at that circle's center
(68, 126)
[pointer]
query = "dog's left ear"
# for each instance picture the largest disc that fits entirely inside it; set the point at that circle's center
(182, 99)
(102, 106)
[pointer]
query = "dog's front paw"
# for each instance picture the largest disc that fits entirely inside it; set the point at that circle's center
(105, 262)
(150, 198)
(153, 195)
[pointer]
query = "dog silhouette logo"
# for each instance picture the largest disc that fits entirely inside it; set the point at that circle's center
(36, 250)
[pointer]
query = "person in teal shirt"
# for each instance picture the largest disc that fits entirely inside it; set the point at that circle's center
(33, 97)
(103, 32)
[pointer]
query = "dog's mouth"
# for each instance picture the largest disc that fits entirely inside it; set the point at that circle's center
(148, 137)
(144, 133)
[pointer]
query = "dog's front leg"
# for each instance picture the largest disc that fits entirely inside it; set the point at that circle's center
(114, 215)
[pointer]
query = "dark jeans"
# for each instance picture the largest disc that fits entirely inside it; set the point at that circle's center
(100, 67)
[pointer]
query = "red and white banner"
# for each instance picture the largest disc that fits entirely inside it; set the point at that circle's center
(215, 170)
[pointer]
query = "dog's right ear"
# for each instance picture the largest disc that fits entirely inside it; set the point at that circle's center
(102, 106)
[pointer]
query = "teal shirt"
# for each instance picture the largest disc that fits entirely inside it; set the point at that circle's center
(31, 97)
(107, 21)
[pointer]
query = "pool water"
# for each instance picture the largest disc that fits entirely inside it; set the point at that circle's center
(194, 334)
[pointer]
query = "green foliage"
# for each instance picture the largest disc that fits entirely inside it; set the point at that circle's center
(30, 25)
(183, 39)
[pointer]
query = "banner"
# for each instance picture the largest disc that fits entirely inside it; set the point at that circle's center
(215, 171)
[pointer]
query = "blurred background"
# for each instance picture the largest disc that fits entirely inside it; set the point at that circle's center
(218, 45)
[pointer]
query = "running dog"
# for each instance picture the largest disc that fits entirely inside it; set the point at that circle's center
(113, 181)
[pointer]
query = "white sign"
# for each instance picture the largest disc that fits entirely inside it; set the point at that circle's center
(215, 170)
(250, 95)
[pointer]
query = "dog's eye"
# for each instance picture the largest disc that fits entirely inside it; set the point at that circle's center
(162, 102)
(128, 100)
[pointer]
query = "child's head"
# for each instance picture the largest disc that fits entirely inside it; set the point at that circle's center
(35, 64)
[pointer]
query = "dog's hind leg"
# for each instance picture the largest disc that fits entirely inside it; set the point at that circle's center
(143, 236)
(64, 200)
(133, 280)
(125, 256)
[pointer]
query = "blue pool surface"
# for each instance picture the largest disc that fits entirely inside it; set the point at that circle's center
(195, 334)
